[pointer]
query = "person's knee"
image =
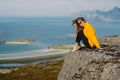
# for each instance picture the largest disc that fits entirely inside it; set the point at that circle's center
(77, 41)
(80, 33)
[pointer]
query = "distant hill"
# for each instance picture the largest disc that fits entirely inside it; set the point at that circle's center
(111, 15)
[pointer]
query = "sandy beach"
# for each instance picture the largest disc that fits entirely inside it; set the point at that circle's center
(31, 55)
(17, 42)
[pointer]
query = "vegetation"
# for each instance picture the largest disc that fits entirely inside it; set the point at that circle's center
(22, 40)
(17, 41)
(42, 71)
(62, 47)
(2, 42)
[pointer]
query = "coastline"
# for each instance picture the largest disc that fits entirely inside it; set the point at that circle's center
(50, 67)
(33, 55)
(49, 70)
(10, 62)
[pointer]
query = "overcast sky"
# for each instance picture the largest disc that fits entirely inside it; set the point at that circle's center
(52, 7)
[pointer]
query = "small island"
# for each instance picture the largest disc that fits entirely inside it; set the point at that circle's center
(19, 41)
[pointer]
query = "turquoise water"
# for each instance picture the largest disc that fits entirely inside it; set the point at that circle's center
(46, 32)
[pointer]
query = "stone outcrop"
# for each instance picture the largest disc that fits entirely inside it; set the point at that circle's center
(113, 40)
(93, 64)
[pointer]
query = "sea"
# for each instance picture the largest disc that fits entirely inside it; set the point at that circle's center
(46, 32)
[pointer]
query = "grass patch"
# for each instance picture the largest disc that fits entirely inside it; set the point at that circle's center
(42, 71)
(62, 47)
(22, 40)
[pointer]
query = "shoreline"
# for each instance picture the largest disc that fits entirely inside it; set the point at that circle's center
(51, 50)
(34, 53)
(53, 53)
(34, 56)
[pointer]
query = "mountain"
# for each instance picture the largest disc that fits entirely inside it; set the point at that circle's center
(111, 15)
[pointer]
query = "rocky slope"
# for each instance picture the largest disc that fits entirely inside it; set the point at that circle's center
(93, 64)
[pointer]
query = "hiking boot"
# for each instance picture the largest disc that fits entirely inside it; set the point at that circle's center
(75, 48)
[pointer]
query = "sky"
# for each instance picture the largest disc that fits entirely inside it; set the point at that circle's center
(50, 8)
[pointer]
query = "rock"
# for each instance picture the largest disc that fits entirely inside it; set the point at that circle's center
(111, 40)
(93, 64)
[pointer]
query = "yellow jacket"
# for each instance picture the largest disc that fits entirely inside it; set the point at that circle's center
(90, 34)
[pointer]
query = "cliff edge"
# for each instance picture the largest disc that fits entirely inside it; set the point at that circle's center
(93, 64)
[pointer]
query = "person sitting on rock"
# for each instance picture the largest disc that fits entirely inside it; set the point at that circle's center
(85, 33)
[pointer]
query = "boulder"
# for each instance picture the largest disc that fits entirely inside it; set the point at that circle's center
(92, 64)
(111, 40)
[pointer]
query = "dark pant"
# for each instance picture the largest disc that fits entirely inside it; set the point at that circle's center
(81, 37)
